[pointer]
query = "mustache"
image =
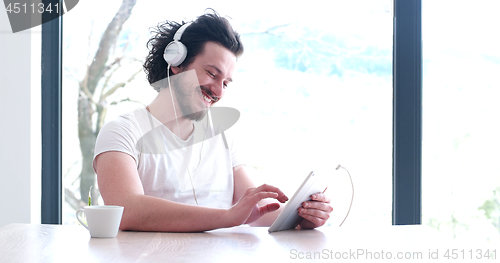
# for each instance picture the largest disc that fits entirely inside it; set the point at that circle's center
(209, 93)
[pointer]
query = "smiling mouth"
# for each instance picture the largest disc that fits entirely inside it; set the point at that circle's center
(206, 98)
(209, 99)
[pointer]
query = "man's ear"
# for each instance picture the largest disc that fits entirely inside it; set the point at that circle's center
(175, 69)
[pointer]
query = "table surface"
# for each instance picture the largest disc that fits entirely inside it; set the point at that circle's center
(64, 243)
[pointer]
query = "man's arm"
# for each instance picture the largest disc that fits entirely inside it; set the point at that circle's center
(119, 184)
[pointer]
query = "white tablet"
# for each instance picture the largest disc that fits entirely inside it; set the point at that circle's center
(289, 217)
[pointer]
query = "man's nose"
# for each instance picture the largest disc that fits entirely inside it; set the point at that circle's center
(218, 89)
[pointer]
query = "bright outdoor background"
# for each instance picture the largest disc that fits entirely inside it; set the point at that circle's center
(314, 89)
(461, 90)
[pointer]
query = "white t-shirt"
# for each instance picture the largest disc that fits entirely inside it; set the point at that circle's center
(165, 162)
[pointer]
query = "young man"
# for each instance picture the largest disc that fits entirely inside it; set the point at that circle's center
(165, 164)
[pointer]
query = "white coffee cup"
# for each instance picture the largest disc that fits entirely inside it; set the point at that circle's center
(102, 220)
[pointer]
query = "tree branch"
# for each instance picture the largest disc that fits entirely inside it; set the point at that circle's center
(117, 86)
(124, 100)
(105, 85)
(97, 67)
(71, 199)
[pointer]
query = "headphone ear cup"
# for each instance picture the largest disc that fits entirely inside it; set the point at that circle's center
(175, 53)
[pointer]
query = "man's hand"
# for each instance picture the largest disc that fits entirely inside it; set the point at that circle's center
(246, 210)
(315, 212)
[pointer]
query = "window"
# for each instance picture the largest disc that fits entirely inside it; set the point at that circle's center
(461, 186)
(314, 89)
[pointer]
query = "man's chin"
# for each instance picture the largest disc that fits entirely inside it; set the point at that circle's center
(196, 116)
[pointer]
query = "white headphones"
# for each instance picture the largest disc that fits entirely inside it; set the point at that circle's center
(176, 52)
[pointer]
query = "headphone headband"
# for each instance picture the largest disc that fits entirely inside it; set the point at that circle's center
(180, 31)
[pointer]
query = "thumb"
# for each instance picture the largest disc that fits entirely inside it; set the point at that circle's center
(259, 211)
(268, 208)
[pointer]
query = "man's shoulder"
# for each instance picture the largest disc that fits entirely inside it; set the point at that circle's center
(130, 121)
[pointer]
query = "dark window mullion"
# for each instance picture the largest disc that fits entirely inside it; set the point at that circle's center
(51, 118)
(407, 112)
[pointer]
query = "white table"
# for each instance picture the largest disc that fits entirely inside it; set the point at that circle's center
(59, 243)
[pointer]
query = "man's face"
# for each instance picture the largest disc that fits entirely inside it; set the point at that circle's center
(213, 69)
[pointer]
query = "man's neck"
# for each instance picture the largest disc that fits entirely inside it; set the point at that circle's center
(163, 110)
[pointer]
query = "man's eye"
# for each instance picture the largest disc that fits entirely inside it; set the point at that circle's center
(211, 74)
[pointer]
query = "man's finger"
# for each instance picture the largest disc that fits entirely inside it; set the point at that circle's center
(256, 197)
(320, 197)
(268, 208)
(314, 212)
(315, 221)
(269, 188)
(317, 205)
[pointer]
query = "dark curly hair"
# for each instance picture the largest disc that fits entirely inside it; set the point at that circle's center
(209, 27)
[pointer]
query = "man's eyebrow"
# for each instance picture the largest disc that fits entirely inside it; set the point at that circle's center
(219, 71)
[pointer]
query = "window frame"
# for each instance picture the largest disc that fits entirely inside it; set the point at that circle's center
(51, 95)
(407, 115)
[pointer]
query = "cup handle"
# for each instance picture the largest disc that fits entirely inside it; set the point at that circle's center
(78, 217)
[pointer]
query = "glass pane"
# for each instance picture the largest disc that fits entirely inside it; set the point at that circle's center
(461, 182)
(314, 89)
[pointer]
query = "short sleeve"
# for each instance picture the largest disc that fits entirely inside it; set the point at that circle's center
(118, 135)
(234, 151)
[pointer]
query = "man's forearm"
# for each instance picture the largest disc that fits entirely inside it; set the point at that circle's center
(147, 213)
